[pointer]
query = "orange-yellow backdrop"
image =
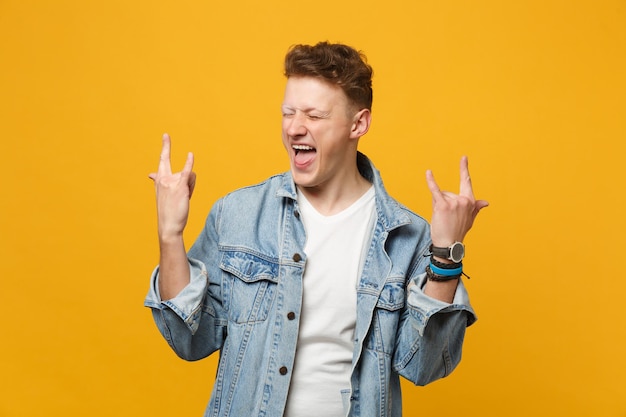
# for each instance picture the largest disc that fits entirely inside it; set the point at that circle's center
(533, 91)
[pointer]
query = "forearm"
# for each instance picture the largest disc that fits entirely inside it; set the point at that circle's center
(441, 290)
(173, 192)
(173, 267)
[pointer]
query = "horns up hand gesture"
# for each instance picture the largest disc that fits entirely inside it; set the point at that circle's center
(173, 191)
(453, 214)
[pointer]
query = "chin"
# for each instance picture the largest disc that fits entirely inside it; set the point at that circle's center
(302, 180)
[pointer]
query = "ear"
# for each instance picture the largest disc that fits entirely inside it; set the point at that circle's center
(361, 123)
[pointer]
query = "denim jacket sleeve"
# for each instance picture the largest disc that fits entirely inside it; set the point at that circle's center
(193, 322)
(431, 333)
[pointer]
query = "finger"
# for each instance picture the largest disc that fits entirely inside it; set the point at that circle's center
(188, 164)
(432, 185)
(187, 174)
(192, 183)
(152, 176)
(165, 166)
(465, 188)
(480, 204)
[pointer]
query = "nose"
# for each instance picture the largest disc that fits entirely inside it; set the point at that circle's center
(295, 125)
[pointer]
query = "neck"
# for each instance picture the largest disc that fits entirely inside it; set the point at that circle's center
(332, 199)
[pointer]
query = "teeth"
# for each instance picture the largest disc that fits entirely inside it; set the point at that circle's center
(303, 148)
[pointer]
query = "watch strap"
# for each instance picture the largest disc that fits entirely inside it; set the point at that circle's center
(440, 252)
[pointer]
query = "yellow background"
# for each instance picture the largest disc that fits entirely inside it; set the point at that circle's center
(533, 91)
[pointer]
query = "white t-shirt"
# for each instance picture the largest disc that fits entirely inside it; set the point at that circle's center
(335, 248)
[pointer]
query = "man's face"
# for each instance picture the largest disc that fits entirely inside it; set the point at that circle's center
(318, 132)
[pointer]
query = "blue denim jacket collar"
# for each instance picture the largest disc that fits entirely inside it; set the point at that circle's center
(390, 213)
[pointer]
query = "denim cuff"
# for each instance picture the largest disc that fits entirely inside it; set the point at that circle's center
(188, 303)
(424, 307)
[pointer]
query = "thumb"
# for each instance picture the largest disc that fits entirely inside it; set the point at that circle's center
(479, 205)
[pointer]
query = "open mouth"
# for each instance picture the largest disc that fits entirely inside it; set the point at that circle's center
(303, 148)
(304, 155)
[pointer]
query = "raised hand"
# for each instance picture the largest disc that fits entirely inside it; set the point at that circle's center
(173, 191)
(453, 214)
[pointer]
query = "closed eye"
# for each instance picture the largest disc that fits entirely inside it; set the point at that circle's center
(318, 116)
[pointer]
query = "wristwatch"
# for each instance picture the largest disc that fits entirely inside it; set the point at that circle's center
(455, 252)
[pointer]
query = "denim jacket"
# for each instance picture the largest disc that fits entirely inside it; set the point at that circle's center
(245, 295)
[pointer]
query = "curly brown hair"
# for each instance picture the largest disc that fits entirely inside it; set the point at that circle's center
(337, 64)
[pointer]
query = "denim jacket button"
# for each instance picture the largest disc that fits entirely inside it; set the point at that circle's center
(297, 257)
(291, 315)
(283, 370)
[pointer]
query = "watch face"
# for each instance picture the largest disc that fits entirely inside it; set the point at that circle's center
(457, 251)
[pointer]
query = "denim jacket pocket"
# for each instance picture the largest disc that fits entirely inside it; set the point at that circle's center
(389, 307)
(392, 297)
(249, 285)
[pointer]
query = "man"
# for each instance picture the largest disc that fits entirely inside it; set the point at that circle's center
(316, 286)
